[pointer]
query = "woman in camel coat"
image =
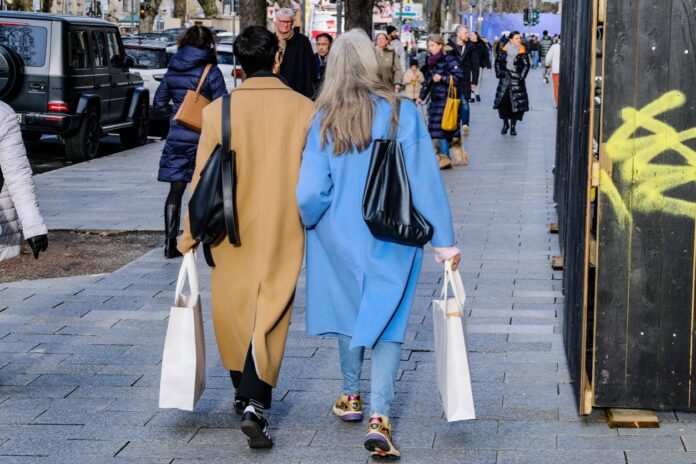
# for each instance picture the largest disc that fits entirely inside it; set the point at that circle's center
(253, 284)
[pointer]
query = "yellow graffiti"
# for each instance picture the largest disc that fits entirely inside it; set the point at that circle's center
(634, 157)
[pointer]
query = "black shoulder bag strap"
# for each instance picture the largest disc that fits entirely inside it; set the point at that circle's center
(227, 171)
(229, 181)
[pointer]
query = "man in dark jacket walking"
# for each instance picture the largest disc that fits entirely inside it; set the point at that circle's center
(467, 57)
(297, 57)
(544, 45)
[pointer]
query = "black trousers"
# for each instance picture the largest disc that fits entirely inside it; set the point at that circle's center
(248, 384)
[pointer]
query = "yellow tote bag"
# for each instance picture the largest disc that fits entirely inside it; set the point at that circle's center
(450, 118)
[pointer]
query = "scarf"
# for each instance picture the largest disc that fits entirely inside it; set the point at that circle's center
(432, 59)
(283, 39)
(512, 52)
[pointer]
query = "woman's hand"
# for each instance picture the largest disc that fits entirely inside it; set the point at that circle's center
(419, 101)
(437, 78)
(454, 261)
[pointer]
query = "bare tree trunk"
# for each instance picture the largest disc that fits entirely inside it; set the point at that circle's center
(252, 13)
(151, 10)
(19, 5)
(209, 8)
(359, 14)
(46, 6)
(435, 16)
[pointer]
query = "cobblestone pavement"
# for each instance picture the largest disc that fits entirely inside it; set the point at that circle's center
(79, 357)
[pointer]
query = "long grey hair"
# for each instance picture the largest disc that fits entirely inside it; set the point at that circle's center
(345, 101)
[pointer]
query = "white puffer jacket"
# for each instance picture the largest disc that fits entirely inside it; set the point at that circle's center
(17, 197)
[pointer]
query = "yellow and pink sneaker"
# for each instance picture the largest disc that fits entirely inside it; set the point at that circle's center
(379, 438)
(348, 408)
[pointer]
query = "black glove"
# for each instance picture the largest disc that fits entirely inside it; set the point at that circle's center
(38, 244)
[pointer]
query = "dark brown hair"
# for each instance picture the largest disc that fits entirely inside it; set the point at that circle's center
(199, 37)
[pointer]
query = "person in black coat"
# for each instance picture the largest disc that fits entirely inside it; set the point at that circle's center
(466, 54)
(196, 50)
(511, 68)
(443, 67)
(484, 60)
(296, 54)
(324, 41)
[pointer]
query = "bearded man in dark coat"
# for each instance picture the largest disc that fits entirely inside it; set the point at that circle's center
(297, 56)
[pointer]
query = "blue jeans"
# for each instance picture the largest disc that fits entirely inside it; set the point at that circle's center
(464, 110)
(385, 365)
(535, 58)
(444, 145)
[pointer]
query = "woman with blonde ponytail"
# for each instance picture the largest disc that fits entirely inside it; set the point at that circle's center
(360, 289)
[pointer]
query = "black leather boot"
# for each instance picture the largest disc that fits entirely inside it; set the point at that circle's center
(506, 126)
(171, 230)
(513, 131)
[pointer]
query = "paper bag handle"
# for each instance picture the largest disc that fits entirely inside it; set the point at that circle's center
(455, 279)
(188, 269)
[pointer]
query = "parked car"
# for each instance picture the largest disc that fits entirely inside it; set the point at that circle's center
(78, 87)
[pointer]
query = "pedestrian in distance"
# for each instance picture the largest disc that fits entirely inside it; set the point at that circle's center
(389, 63)
(324, 42)
(511, 68)
(360, 289)
(544, 46)
(185, 71)
(18, 202)
(253, 284)
(534, 51)
(553, 60)
(484, 61)
(395, 43)
(413, 81)
(443, 68)
(467, 55)
(297, 63)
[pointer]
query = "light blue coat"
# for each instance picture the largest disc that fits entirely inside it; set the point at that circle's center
(357, 285)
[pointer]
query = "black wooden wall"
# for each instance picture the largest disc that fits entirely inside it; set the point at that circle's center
(647, 207)
(571, 168)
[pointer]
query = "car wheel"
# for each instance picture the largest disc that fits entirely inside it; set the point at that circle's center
(136, 136)
(85, 143)
(11, 73)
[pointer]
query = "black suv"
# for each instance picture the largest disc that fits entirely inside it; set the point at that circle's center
(68, 75)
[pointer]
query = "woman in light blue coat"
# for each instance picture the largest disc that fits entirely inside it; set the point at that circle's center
(359, 288)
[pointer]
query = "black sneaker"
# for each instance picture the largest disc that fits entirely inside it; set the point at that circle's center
(478, 98)
(255, 427)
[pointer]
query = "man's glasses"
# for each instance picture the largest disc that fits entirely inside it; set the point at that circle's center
(285, 22)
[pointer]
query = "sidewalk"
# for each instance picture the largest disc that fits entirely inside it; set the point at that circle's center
(80, 356)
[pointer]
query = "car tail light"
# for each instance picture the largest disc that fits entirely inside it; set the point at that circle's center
(58, 107)
(238, 72)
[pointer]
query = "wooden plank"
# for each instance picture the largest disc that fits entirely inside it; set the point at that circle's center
(646, 299)
(613, 238)
(632, 419)
(586, 392)
(553, 228)
(678, 240)
(557, 263)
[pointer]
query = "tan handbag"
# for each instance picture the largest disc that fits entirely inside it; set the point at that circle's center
(190, 112)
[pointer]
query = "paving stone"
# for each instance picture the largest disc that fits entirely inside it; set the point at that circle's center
(561, 457)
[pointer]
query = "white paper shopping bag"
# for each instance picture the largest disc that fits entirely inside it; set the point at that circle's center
(183, 361)
(451, 356)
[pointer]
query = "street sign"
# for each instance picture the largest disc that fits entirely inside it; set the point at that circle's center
(387, 11)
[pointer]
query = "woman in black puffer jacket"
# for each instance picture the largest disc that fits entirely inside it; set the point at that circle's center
(196, 50)
(511, 68)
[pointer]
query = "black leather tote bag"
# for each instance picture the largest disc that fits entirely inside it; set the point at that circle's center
(212, 208)
(386, 205)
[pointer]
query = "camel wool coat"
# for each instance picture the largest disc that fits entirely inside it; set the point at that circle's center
(253, 284)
